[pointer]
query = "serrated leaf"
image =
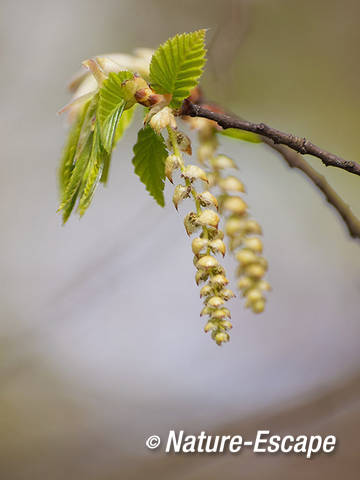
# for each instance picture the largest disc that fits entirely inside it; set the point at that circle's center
(177, 65)
(122, 125)
(111, 106)
(67, 158)
(240, 135)
(149, 161)
(92, 173)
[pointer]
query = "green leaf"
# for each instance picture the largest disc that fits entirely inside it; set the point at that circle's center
(177, 65)
(122, 125)
(80, 161)
(149, 161)
(241, 135)
(93, 172)
(67, 158)
(111, 106)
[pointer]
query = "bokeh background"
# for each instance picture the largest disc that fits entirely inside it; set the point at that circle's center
(101, 344)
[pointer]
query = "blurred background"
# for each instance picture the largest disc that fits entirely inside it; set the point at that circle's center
(101, 343)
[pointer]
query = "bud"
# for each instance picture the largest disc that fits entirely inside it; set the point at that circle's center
(218, 245)
(207, 262)
(180, 193)
(198, 244)
(252, 226)
(234, 225)
(172, 162)
(215, 302)
(183, 142)
(253, 295)
(221, 337)
(226, 324)
(245, 257)
(226, 294)
(209, 326)
(254, 244)
(205, 291)
(201, 276)
(206, 311)
(264, 286)
(192, 172)
(231, 184)
(191, 223)
(255, 271)
(235, 205)
(207, 199)
(222, 161)
(244, 283)
(218, 314)
(163, 119)
(209, 218)
(259, 306)
(219, 280)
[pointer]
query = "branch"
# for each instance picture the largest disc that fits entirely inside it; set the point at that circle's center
(295, 161)
(300, 145)
(290, 156)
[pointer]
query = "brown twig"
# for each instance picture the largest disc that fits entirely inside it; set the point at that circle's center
(290, 156)
(299, 144)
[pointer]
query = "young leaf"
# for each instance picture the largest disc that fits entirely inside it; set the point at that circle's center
(149, 161)
(80, 160)
(240, 135)
(92, 173)
(111, 106)
(122, 125)
(177, 65)
(66, 163)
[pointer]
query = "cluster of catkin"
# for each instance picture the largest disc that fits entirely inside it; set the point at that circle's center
(209, 243)
(243, 232)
